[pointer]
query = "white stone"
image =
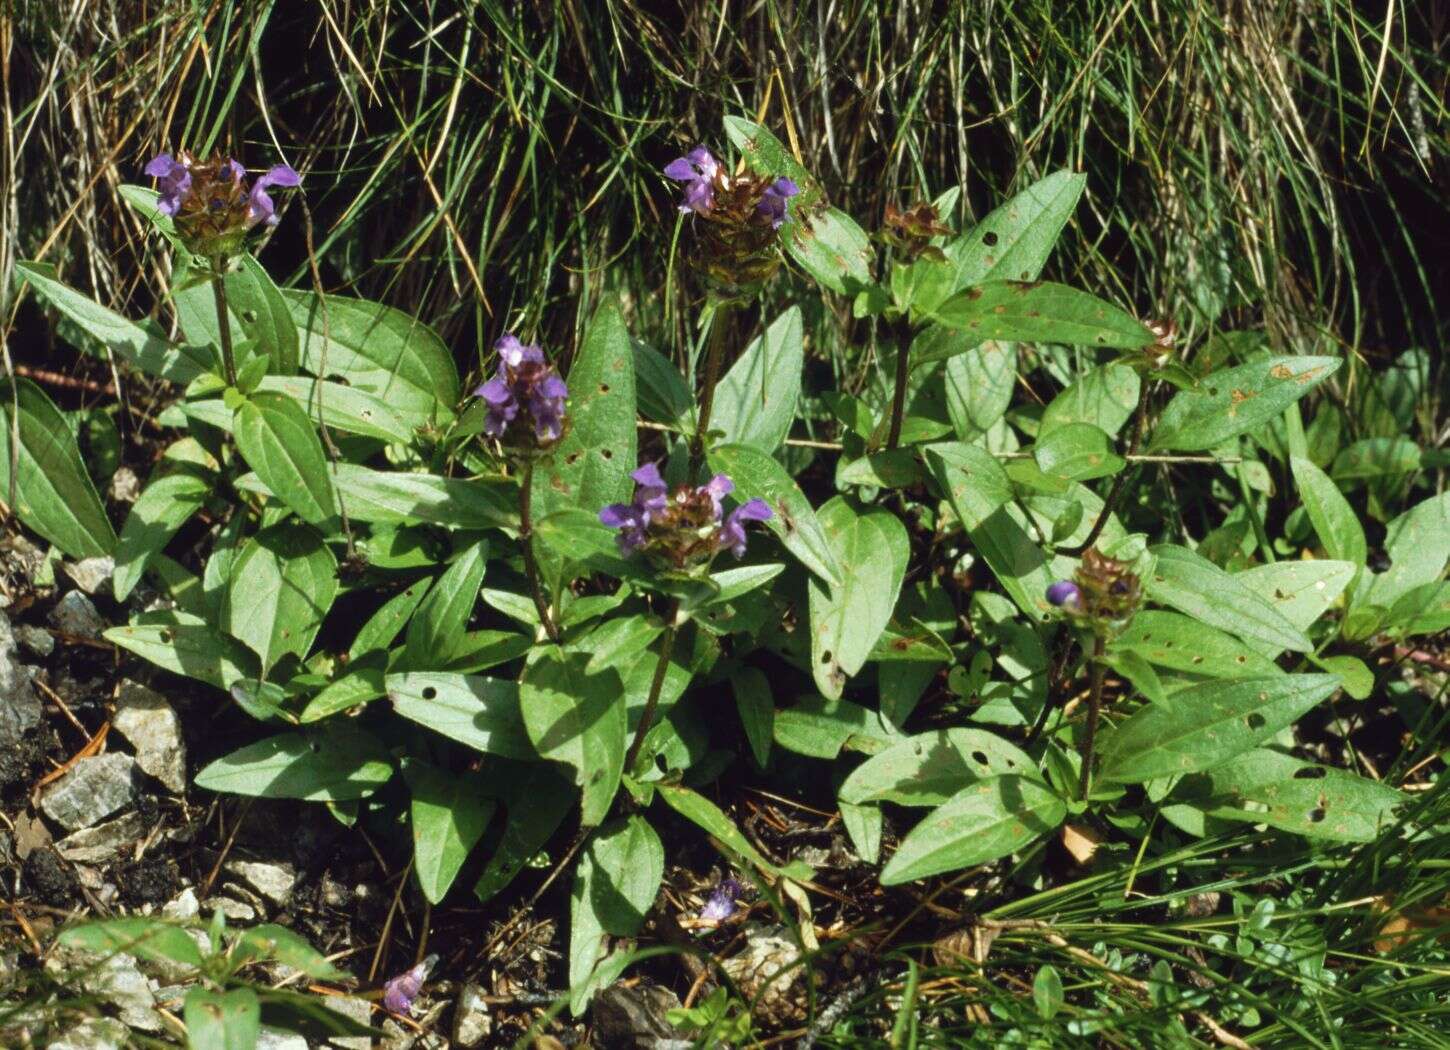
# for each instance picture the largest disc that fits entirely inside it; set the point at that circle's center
(233, 909)
(36, 639)
(276, 1039)
(76, 615)
(91, 574)
(96, 1033)
(358, 1010)
(19, 706)
(145, 719)
(183, 908)
(102, 842)
(273, 881)
(472, 1022)
(125, 485)
(766, 968)
(95, 788)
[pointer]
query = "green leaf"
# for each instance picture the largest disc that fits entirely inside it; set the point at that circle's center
(274, 943)
(1354, 674)
(1302, 591)
(577, 719)
(53, 493)
(929, 768)
(449, 814)
(257, 314)
(619, 641)
(362, 683)
(1335, 522)
(989, 819)
(1078, 452)
(279, 442)
(766, 155)
(1047, 992)
(384, 626)
(848, 617)
(591, 466)
(480, 712)
(707, 816)
(1234, 401)
(1421, 610)
(436, 630)
(863, 825)
(187, 645)
(222, 1020)
(535, 800)
(755, 703)
(831, 247)
(1377, 457)
(664, 396)
(1196, 586)
(151, 939)
(755, 402)
(143, 348)
(1418, 545)
(819, 727)
(1181, 643)
(1103, 397)
(626, 863)
(1012, 242)
(1040, 312)
(757, 475)
(339, 407)
(162, 508)
(378, 350)
(342, 764)
(979, 493)
(979, 386)
(1204, 725)
(1266, 787)
(282, 585)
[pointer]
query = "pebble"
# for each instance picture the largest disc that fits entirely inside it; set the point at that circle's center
(359, 1010)
(633, 1017)
(765, 969)
(125, 485)
(472, 1022)
(145, 719)
(273, 881)
(102, 842)
(183, 908)
(75, 614)
(276, 1039)
(37, 640)
(95, 788)
(91, 574)
(233, 909)
(96, 1033)
(19, 706)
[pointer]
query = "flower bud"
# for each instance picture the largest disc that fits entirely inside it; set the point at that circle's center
(684, 529)
(210, 202)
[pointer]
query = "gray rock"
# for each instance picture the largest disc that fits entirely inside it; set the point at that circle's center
(183, 908)
(273, 881)
(91, 574)
(125, 485)
(36, 640)
(113, 979)
(359, 1010)
(102, 842)
(766, 969)
(145, 719)
(95, 1033)
(94, 789)
(234, 910)
(75, 614)
(633, 1018)
(276, 1039)
(472, 1021)
(19, 706)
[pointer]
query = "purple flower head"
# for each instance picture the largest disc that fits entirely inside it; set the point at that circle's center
(772, 202)
(210, 201)
(1065, 594)
(698, 170)
(400, 991)
(685, 528)
(524, 381)
(732, 533)
(722, 902)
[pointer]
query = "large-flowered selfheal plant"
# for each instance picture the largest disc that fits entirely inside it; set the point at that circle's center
(939, 563)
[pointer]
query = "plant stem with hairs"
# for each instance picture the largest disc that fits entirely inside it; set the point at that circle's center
(718, 328)
(223, 317)
(902, 330)
(1095, 710)
(646, 719)
(531, 565)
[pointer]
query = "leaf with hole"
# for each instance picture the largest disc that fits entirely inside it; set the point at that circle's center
(482, 713)
(342, 764)
(1040, 312)
(1234, 401)
(1207, 724)
(1199, 588)
(995, 816)
(187, 645)
(929, 768)
(1181, 643)
(53, 493)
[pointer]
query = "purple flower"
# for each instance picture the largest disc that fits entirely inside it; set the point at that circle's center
(1065, 594)
(732, 533)
(698, 170)
(400, 991)
(651, 497)
(722, 902)
(772, 202)
(259, 205)
(173, 182)
(525, 380)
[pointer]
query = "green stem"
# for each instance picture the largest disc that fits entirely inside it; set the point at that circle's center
(531, 566)
(902, 330)
(646, 720)
(1095, 710)
(718, 327)
(223, 317)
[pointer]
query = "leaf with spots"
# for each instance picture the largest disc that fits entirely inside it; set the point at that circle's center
(847, 618)
(282, 585)
(280, 443)
(929, 768)
(1302, 591)
(481, 713)
(1418, 543)
(1196, 586)
(1078, 452)
(591, 466)
(1181, 643)
(995, 816)
(1234, 401)
(1104, 397)
(1205, 725)
(1040, 312)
